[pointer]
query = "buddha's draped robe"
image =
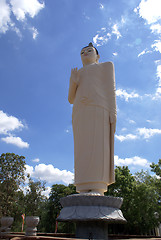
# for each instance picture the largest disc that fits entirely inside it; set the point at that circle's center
(94, 120)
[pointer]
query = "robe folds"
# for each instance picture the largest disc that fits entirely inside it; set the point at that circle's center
(94, 120)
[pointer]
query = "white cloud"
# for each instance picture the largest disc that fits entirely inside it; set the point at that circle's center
(86, 17)
(123, 129)
(115, 31)
(50, 174)
(104, 35)
(140, 133)
(4, 16)
(36, 160)
(144, 52)
(159, 75)
(29, 170)
(46, 192)
(101, 40)
(17, 141)
(132, 161)
(9, 123)
(123, 94)
(115, 54)
(132, 121)
(16, 30)
(103, 29)
(68, 129)
(123, 20)
(20, 9)
(122, 138)
(148, 132)
(157, 45)
(149, 10)
(101, 6)
(157, 61)
(159, 72)
(156, 28)
(149, 121)
(34, 32)
(157, 95)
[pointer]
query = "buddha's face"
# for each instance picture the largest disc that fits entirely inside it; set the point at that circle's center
(89, 55)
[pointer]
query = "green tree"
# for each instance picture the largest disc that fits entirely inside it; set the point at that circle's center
(140, 200)
(19, 209)
(123, 187)
(124, 182)
(144, 203)
(156, 168)
(53, 208)
(12, 175)
(34, 198)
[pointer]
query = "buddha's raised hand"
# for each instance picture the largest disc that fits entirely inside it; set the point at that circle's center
(74, 75)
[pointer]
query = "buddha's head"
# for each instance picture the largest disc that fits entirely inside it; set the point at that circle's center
(89, 54)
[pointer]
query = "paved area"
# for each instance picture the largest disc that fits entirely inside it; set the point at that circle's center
(61, 237)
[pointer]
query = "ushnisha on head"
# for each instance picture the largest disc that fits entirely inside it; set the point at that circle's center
(89, 55)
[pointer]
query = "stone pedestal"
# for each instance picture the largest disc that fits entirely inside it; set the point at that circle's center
(31, 225)
(6, 223)
(92, 213)
(92, 230)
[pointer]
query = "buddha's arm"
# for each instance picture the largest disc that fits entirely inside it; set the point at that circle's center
(72, 91)
(73, 85)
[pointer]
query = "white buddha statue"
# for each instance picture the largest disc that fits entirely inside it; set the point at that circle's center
(92, 93)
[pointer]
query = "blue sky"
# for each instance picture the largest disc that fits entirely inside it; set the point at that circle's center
(40, 41)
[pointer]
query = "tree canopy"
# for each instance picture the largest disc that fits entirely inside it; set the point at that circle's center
(12, 174)
(34, 198)
(141, 195)
(140, 200)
